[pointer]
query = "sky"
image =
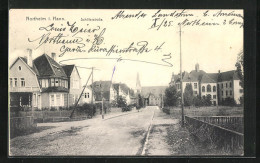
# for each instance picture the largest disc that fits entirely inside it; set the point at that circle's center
(213, 47)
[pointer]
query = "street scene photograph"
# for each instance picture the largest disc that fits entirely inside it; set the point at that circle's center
(126, 82)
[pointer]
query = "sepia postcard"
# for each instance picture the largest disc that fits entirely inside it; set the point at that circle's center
(126, 82)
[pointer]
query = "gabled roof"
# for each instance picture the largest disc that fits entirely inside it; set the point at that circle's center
(122, 86)
(46, 66)
(68, 69)
(186, 76)
(228, 75)
(24, 60)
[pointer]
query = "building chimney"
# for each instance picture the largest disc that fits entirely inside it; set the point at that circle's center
(197, 67)
(29, 57)
(53, 55)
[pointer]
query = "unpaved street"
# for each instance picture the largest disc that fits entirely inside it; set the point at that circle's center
(117, 134)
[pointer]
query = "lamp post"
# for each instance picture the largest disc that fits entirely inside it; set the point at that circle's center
(102, 104)
(182, 109)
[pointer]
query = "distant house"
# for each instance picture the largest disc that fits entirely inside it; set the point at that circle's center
(74, 84)
(87, 95)
(103, 89)
(111, 91)
(229, 85)
(43, 83)
(218, 86)
(153, 95)
(124, 91)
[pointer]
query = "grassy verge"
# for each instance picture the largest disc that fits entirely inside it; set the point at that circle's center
(206, 111)
(28, 131)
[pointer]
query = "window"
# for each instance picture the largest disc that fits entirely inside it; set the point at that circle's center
(231, 93)
(222, 85)
(214, 96)
(66, 83)
(22, 82)
(230, 84)
(208, 88)
(15, 82)
(52, 100)
(222, 93)
(34, 100)
(56, 82)
(195, 85)
(19, 68)
(214, 88)
(11, 82)
(62, 83)
(45, 83)
(226, 93)
(88, 95)
(240, 83)
(58, 100)
(52, 82)
(240, 90)
(85, 95)
(226, 85)
(195, 92)
(203, 88)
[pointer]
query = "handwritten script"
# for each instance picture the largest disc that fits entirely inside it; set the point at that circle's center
(72, 37)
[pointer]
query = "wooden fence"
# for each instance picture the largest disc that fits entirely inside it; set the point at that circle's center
(221, 119)
(56, 116)
(203, 128)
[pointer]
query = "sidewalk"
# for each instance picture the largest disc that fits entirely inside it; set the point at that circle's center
(157, 141)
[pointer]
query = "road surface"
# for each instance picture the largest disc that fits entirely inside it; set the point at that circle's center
(131, 133)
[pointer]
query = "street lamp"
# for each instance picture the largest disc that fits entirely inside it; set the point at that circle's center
(182, 109)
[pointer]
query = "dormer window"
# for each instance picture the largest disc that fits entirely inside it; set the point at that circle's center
(19, 68)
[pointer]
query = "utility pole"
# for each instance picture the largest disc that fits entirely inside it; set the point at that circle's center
(162, 101)
(71, 115)
(102, 105)
(182, 109)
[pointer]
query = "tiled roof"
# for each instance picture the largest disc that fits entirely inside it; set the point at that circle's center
(68, 69)
(228, 75)
(46, 66)
(206, 79)
(213, 76)
(196, 75)
(202, 76)
(122, 86)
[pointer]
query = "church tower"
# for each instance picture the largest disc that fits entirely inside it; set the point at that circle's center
(138, 84)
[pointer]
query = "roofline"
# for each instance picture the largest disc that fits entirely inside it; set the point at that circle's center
(49, 63)
(23, 63)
